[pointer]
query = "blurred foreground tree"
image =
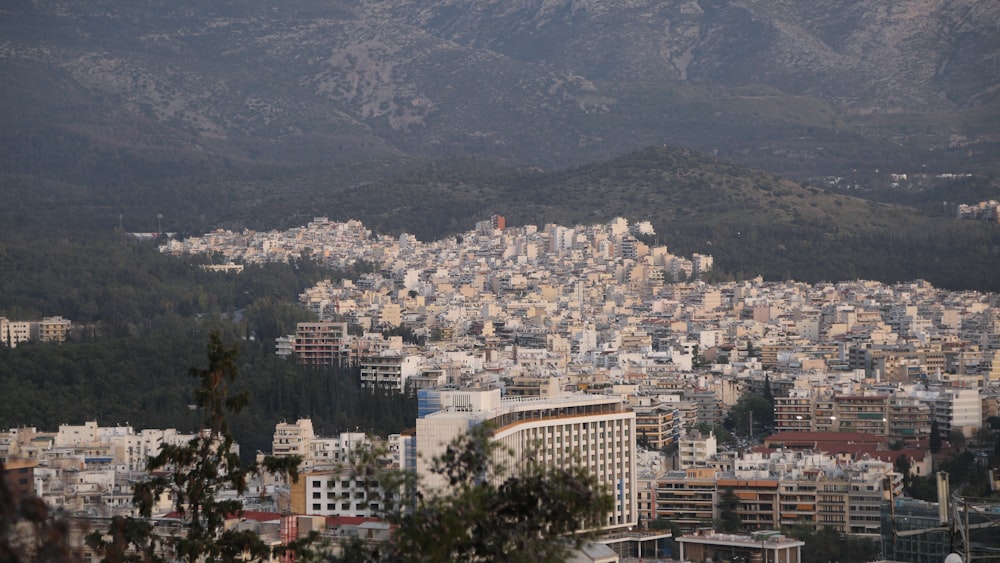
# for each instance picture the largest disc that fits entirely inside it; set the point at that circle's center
(29, 531)
(193, 475)
(488, 512)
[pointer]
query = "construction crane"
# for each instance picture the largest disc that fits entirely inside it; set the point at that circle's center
(953, 514)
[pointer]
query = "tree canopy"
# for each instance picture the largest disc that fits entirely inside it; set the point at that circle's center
(531, 513)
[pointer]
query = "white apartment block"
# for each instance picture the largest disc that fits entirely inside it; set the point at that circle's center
(696, 450)
(119, 448)
(958, 409)
(13, 333)
(299, 439)
(390, 370)
(336, 493)
(595, 431)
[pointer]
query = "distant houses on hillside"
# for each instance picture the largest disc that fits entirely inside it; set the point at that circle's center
(49, 329)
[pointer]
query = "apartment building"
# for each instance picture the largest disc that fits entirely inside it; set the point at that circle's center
(321, 343)
(49, 329)
(687, 498)
(696, 449)
(862, 413)
(337, 493)
(958, 409)
(390, 370)
(53, 329)
(656, 424)
(795, 412)
(779, 490)
(299, 439)
(909, 419)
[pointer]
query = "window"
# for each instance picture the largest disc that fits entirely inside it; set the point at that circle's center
(316, 506)
(317, 495)
(317, 484)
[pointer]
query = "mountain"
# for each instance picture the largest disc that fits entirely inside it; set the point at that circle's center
(799, 88)
(428, 115)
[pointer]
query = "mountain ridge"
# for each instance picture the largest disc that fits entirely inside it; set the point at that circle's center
(550, 83)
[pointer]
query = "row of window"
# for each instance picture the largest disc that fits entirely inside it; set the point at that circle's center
(344, 506)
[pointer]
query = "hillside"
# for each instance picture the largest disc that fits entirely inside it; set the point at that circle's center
(426, 116)
(796, 88)
(751, 221)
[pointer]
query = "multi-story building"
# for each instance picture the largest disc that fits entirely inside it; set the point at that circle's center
(19, 478)
(337, 493)
(910, 514)
(779, 490)
(53, 329)
(13, 333)
(389, 370)
(862, 413)
(709, 409)
(656, 424)
(597, 432)
(321, 343)
(293, 439)
(299, 439)
(958, 409)
(696, 450)
(794, 413)
(909, 419)
(686, 498)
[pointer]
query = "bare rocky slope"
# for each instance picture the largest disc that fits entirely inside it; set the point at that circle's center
(539, 82)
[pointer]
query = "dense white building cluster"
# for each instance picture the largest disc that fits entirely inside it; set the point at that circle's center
(588, 345)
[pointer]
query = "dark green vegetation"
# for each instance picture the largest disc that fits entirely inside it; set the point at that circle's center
(825, 544)
(141, 381)
(141, 318)
(420, 116)
(750, 221)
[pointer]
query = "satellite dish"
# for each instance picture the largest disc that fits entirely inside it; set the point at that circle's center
(953, 558)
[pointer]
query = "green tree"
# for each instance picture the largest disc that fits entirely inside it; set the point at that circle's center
(29, 531)
(729, 519)
(825, 544)
(768, 394)
(956, 439)
(935, 439)
(196, 472)
(488, 511)
(757, 406)
(902, 466)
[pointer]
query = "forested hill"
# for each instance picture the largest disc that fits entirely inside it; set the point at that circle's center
(141, 320)
(752, 222)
